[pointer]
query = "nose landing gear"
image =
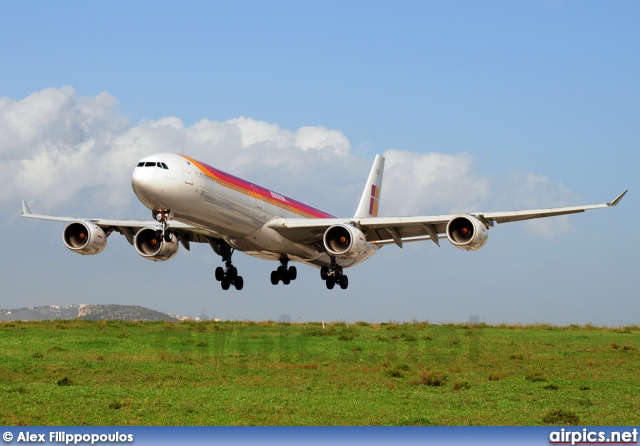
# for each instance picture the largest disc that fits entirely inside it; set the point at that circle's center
(333, 275)
(162, 217)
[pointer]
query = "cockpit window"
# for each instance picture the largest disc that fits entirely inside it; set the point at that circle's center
(153, 164)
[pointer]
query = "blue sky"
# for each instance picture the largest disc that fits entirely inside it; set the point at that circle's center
(477, 106)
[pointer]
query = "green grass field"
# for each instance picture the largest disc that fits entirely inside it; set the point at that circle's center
(245, 373)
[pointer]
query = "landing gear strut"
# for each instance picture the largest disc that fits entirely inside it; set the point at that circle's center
(162, 217)
(284, 273)
(228, 275)
(333, 275)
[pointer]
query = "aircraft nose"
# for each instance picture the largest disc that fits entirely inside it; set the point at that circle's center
(140, 179)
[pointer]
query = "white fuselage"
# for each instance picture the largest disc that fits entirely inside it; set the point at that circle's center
(228, 207)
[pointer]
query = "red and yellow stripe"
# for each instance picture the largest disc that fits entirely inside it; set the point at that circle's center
(258, 192)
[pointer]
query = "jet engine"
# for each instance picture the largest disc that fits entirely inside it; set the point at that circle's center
(150, 245)
(84, 237)
(344, 241)
(467, 232)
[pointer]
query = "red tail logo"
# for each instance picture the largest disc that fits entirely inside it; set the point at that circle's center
(375, 197)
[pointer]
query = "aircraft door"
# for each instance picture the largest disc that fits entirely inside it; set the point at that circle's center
(258, 201)
(187, 167)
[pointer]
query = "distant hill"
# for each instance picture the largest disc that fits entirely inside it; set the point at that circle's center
(40, 313)
(121, 312)
(86, 312)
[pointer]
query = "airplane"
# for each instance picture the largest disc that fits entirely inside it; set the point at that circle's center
(192, 202)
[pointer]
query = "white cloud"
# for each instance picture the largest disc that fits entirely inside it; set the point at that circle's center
(535, 191)
(259, 132)
(51, 143)
(319, 138)
(54, 115)
(75, 154)
(429, 183)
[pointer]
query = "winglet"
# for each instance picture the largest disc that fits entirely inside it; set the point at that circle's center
(618, 198)
(368, 206)
(25, 208)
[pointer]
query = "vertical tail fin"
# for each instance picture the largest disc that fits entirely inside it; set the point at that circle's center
(370, 199)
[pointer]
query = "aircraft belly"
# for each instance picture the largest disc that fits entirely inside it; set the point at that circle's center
(318, 260)
(265, 241)
(268, 244)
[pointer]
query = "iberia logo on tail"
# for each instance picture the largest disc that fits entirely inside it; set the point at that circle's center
(375, 197)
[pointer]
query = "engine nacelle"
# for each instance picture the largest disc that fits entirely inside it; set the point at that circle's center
(344, 241)
(467, 232)
(150, 245)
(84, 238)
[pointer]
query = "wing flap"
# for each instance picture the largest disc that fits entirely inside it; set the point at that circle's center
(410, 239)
(304, 230)
(507, 217)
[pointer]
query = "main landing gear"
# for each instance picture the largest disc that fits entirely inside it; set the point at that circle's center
(228, 275)
(284, 273)
(333, 275)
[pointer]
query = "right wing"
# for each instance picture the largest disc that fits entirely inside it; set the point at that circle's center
(129, 228)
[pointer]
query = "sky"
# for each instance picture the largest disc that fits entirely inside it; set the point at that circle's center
(477, 106)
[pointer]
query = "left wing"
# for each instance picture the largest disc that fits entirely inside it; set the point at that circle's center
(386, 230)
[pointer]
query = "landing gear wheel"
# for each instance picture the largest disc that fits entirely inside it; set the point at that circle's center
(330, 283)
(228, 275)
(333, 275)
(167, 236)
(284, 273)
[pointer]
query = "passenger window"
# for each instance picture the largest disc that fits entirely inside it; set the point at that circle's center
(149, 164)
